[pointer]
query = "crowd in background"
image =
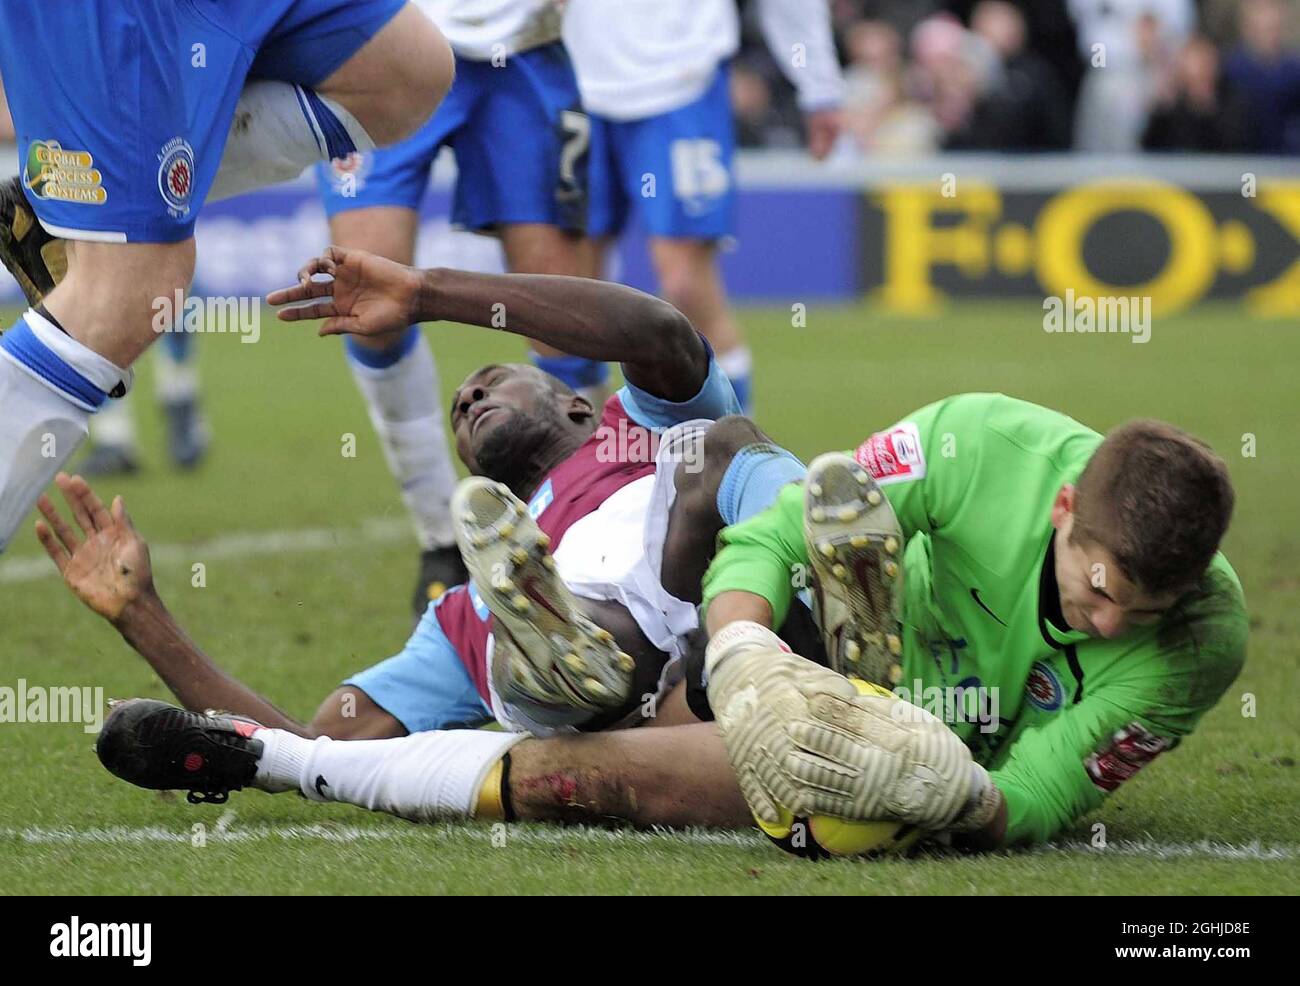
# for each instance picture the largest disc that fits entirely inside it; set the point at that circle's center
(1110, 76)
(1038, 75)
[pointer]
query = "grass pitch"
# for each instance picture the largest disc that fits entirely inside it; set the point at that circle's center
(309, 566)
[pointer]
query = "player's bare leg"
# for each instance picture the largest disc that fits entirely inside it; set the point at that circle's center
(395, 81)
(676, 776)
(103, 312)
(59, 367)
(689, 278)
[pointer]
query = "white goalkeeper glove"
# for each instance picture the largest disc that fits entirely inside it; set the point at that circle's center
(803, 737)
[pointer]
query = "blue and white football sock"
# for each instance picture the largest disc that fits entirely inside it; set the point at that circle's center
(50, 384)
(424, 777)
(279, 130)
(588, 377)
(176, 377)
(754, 477)
(114, 426)
(400, 385)
(738, 364)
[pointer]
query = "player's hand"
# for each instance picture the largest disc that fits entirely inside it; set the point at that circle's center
(109, 570)
(823, 127)
(803, 737)
(357, 293)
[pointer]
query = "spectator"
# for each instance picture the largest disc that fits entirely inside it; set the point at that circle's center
(876, 113)
(952, 69)
(1268, 75)
(1201, 110)
(1050, 35)
(1220, 21)
(1024, 106)
(901, 15)
(759, 123)
(1127, 47)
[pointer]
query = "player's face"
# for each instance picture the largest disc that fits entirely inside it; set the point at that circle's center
(1097, 598)
(503, 415)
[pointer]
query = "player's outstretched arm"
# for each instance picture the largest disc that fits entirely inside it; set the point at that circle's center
(358, 293)
(106, 565)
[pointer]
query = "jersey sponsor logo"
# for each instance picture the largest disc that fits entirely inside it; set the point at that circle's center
(176, 176)
(50, 172)
(1130, 749)
(893, 456)
(542, 499)
(1043, 688)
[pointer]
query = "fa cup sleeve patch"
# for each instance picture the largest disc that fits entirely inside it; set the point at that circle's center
(893, 456)
(1129, 750)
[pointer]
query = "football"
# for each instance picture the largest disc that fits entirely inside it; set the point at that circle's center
(823, 836)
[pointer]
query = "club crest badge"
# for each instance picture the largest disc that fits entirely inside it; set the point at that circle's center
(1043, 688)
(176, 176)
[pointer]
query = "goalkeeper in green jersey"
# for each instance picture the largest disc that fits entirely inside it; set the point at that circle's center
(1053, 602)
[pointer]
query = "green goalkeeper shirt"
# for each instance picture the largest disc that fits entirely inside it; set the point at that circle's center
(1060, 719)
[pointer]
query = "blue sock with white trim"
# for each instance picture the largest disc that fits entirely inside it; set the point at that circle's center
(50, 384)
(588, 377)
(753, 479)
(176, 376)
(577, 372)
(738, 364)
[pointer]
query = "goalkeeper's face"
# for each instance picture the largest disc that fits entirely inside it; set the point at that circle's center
(1097, 598)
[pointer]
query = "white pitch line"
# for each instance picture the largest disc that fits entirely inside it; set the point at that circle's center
(243, 544)
(1151, 849)
(530, 835)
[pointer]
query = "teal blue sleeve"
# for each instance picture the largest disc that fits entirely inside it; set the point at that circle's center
(715, 400)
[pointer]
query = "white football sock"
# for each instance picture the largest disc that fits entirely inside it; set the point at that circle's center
(404, 403)
(114, 424)
(39, 430)
(49, 385)
(738, 361)
(423, 777)
(175, 381)
(280, 129)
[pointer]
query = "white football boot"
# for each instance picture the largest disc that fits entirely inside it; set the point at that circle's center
(855, 546)
(548, 658)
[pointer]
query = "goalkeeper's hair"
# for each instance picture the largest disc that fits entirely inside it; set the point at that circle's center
(1158, 499)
